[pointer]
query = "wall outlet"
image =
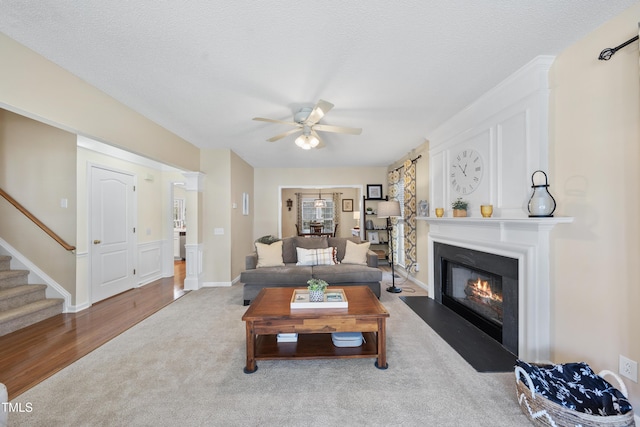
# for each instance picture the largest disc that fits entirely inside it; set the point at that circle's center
(628, 368)
(417, 267)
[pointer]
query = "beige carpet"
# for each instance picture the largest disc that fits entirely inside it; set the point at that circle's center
(183, 366)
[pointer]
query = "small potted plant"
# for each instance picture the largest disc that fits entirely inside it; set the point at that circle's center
(459, 207)
(316, 289)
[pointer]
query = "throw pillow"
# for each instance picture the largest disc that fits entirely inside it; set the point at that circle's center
(326, 256)
(267, 240)
(289, 250)
(356, 253)
(341, 244)
(269, 255)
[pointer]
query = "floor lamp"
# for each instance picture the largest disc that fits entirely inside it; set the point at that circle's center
(387, 210)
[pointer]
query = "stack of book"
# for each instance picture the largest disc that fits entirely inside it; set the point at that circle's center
(292, 337)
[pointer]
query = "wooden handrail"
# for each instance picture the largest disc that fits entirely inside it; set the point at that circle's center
(36, 221)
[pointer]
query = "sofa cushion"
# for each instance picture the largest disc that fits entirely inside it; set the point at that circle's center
(341, 244)
(269, 255)
(356, 253)
(326, 256)
(289, 274)
(346, 273)
(311, 242)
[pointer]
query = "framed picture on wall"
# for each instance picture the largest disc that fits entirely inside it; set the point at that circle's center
(374, 191)
(347, 205)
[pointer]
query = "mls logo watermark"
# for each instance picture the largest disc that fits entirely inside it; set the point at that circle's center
(17, 407)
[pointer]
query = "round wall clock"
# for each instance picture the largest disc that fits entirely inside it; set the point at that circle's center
(466, 171)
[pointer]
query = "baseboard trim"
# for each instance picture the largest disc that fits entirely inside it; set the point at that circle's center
(216, 284)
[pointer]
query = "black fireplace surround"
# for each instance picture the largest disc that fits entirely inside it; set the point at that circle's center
(500, 271)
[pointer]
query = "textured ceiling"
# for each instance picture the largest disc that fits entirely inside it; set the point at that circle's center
(204, 68)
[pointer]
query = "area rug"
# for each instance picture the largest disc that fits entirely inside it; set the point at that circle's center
(184, 366)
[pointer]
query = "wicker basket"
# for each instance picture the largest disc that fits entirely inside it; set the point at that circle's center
(543, 412)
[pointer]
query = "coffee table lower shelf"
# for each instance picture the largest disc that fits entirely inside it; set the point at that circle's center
(313, 346)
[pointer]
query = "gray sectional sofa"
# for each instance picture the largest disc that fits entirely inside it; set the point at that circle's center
(291, 275)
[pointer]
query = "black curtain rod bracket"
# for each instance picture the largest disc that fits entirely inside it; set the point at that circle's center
(412, 161)
(606, 54)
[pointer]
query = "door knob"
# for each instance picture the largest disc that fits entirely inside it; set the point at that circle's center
(96, 242)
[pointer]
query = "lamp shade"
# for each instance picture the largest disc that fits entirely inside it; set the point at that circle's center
(356, 215)
(388, 209)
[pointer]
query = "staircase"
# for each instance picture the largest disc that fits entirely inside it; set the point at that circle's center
(22, 304)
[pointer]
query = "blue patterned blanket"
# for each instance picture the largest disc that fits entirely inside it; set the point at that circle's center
(576, 386)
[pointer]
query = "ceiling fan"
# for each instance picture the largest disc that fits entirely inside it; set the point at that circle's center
(306, 121)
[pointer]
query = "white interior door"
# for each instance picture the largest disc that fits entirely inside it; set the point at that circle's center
(112, 233)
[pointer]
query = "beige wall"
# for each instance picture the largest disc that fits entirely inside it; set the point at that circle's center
(595, 150)
(31, 84)
(38, 169)
(268, 183)
(227, 177)
(345, 219)
(216, 203)
(241, 225)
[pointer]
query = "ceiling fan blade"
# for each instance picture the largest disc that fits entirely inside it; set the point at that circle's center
(262, 119)
(320, 142)
(318, 112)
(282, 135)
(338, 129)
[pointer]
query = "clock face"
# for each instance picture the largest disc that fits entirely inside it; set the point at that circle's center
(466, 171)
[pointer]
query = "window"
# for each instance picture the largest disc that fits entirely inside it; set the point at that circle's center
(311, 214)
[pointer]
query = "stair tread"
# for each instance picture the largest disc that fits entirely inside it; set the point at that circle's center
(19, 290)
(29, 308)
(12, 273)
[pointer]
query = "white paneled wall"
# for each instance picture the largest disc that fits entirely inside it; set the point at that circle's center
(149, 262)
(508, 128)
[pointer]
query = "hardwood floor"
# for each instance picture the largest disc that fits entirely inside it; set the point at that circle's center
(32, 354)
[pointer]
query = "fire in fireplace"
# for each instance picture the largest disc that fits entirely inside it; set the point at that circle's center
(484, 299)
(482, 288)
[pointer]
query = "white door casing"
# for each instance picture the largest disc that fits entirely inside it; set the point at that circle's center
(112, 232)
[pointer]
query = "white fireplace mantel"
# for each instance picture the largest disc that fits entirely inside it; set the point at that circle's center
(525, 239)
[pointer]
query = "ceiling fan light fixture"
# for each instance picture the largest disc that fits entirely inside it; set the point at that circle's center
(307, 142)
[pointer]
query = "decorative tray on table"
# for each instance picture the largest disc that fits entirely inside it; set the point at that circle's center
(333, 298)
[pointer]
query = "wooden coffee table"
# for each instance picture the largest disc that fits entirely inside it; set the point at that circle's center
(270, 314)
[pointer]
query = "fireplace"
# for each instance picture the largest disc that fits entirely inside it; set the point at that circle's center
(481, 287)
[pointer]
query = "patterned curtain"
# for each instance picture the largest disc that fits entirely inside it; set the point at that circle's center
(410, 214)
(336, 212)
(299, 212)
(393, 179)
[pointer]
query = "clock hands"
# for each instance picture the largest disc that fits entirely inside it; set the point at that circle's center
(464, 170)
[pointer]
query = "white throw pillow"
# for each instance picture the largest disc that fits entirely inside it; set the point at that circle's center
(356, 253)
(324, 256)
(269, 255)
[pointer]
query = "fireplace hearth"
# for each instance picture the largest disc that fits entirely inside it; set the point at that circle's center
(480, 287)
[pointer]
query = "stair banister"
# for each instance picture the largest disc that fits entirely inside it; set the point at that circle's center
(36, 221)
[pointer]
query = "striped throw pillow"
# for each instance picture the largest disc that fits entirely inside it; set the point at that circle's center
(324, 256)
